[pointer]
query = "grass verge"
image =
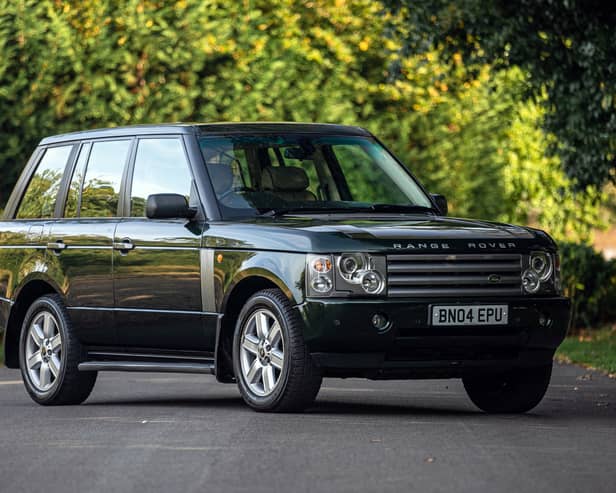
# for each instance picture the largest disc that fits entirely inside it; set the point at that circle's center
(594, 349)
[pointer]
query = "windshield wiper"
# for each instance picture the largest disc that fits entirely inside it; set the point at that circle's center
(343, 210)
(288, 210)
(399, 208)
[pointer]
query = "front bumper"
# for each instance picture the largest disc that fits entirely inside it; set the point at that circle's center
(343, 342)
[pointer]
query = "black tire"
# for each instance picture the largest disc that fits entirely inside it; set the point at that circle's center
(299, 380)
(70, 386)
(515, 391)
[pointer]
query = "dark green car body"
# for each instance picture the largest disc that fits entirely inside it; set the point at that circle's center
(160, 290)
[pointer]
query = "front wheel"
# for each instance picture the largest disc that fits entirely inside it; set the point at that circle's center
(514, 391)
(49, 354)
(272, 365)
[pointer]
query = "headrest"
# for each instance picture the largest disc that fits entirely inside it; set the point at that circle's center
(222, 177)
(287, 178)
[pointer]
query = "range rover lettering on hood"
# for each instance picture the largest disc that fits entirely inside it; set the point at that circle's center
(445, 246)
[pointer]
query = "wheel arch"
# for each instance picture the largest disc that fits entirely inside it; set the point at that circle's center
(238, 294)
(29, 291)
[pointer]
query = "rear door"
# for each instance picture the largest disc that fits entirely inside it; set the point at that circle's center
(81, 242)
(157, 264)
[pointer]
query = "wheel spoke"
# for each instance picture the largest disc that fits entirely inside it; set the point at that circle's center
(276, 359)
(35, 360)
(274, 334)
(254, 373)
(48, 325)
(56, 343)
(268, 379)
(250, 344)
(44, 375)
(54, 366)
(37, 334)
(262, 325)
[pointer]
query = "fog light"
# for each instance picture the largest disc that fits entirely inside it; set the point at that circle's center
(380, 321)
(544, 320)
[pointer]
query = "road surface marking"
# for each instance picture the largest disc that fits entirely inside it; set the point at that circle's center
(11, 382)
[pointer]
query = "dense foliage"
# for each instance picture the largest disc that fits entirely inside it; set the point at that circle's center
(569, 48)
(590, 281)
(466, 131)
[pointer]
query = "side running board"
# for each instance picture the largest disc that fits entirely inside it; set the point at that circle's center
(148, 366)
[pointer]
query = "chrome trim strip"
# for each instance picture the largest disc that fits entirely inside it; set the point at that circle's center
(6, 300)
(142, 310)
(208, 295)
(111, 354)
(147, 367)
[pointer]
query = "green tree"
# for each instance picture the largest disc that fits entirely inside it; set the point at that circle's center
(462, 128)
(567, 46)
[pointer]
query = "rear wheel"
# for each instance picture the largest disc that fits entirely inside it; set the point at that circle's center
(514, 391)
(49, 354)
(272, 365)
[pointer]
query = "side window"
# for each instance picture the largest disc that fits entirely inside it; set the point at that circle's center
(101, 185)
(72, 200)
(160, 167)
(40, 198)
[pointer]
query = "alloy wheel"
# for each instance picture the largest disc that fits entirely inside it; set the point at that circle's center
(43, 351)
(262, 352)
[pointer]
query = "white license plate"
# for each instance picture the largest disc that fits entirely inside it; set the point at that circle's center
(469, 315)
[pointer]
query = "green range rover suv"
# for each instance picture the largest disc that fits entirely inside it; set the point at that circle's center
(270, 255)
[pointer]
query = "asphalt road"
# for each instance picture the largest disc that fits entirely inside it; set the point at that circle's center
(149, 432)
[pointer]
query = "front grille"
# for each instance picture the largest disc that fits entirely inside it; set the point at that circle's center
(444, 275)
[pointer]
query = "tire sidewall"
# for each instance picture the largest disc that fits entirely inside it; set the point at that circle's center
(254, 304)
(43, 304)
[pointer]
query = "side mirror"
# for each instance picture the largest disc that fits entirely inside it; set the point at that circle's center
(168, 206)
(441, 203)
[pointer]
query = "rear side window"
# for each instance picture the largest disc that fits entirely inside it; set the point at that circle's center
(40, 198)
(101, 186)
(160, 167)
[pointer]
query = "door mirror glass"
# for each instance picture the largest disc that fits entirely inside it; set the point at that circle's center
(441, 203)
(168, 206)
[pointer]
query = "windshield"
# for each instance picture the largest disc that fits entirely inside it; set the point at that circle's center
(279, 174)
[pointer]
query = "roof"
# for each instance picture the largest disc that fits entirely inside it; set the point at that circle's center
(220, 128)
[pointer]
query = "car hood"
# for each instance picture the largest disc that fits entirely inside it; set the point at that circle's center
(334, 233)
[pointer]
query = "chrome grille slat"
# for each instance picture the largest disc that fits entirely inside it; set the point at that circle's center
(429, 280)
(449, 275)
(457, 267)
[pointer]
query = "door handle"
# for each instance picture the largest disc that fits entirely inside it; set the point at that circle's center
(123, 246)
(56, 246)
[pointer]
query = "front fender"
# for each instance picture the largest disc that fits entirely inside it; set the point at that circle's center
(285, 270)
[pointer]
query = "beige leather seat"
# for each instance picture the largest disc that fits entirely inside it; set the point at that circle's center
(290, 183)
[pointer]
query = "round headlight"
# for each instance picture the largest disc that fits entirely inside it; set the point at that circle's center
(541, 264)
(349, 266)
(372, 282)
(530, 281)
(321, 284)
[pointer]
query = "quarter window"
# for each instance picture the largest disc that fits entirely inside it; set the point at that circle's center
(160, 167)
(101, 186)
(40, 197)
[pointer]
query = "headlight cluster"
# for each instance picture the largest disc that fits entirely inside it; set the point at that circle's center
(541, 273)
(345, 274)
